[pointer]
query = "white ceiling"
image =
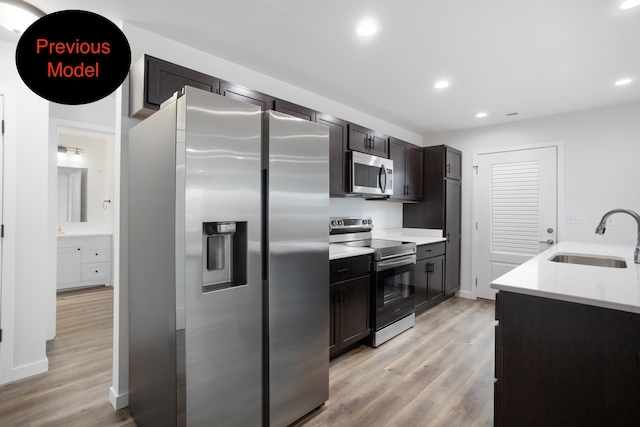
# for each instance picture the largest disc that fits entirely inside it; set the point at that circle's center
(535, 58)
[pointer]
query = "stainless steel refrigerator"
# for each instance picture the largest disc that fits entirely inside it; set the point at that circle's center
(228, 265)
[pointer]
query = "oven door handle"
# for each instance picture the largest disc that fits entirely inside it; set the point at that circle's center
(386, 265)
(396, 255)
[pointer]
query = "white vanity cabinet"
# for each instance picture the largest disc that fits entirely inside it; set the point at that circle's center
(83, 261)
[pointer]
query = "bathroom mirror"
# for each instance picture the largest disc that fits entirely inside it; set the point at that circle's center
(72, 194)
(84, 172)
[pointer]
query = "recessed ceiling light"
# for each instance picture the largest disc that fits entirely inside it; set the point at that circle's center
(629, 4)
(481, 115)
(441, 84)
(623, 82)
(366, 28)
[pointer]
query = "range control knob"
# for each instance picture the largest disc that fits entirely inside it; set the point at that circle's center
(334, 222)
(340, 222)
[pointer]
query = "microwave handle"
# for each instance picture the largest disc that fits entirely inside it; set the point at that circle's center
(386, 177)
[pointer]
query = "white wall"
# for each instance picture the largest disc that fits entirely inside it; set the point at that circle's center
(29, 231)
(99, 113)
(602, 155)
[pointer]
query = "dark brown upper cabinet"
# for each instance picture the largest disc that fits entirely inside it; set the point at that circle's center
(337, 153)
(295, 110)
(368, 141)
(153, 81)
(230, 90)
(453, 168)
(407, 170)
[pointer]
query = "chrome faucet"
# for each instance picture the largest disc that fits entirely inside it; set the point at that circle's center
(603, 223)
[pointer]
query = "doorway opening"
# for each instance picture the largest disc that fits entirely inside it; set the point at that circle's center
(517, 194)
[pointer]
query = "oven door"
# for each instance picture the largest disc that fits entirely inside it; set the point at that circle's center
(394, 290)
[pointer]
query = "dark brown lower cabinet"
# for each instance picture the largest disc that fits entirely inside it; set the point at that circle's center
(430, 276)
(349, 304)
(561, 363)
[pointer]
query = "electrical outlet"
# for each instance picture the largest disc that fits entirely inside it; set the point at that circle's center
(576, 219)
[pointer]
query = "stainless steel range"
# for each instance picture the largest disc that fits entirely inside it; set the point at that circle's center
(393, 299)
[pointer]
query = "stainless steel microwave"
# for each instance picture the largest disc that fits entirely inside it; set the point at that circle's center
(370, 174)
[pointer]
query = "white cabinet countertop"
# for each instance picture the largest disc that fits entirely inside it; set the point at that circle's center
(615, 288)
(421, 236)
(81, 234)
(418, 235)
(339, 250)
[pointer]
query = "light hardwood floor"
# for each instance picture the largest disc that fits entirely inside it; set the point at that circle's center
(439, 373)
(75, 390)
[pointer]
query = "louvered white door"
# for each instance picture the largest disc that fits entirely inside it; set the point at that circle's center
(516, 210)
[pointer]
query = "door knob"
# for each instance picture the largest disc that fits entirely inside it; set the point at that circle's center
(549, 230)
(548, 242)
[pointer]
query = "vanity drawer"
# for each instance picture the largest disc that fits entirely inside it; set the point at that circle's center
(96, 271)
(96, 254)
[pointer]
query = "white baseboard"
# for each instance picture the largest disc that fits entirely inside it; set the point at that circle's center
(29, 370)
(465, 294)
(118, 402)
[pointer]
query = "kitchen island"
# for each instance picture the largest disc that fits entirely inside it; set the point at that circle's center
(568, 340)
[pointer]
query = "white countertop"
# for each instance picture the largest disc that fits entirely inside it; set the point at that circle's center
(421, 236)
(615, 288)
(418, 235)
(339, 250)
(81, 234)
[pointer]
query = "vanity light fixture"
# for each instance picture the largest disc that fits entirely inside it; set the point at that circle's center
(623, 82)
(18, 15)
(629, 4)
(64, 149)
(366, 28)
(442, 84)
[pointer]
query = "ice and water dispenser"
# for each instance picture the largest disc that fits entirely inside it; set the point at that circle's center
(224, 249)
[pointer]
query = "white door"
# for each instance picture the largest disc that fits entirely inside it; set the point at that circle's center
(516, 205)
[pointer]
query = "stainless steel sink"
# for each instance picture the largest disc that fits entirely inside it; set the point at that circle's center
(590, 260)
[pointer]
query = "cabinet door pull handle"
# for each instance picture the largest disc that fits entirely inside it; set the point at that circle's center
(430, 268)
(344, 293)
(342, 270)
(78, 248)
(96, 271)
(96, 254)
(448, 167)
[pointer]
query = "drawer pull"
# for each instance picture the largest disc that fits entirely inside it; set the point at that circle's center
(97, 254)
(342, 270)
(78, 248)
(96, 271)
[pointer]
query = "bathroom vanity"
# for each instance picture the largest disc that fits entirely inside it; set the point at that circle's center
(83, 260)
